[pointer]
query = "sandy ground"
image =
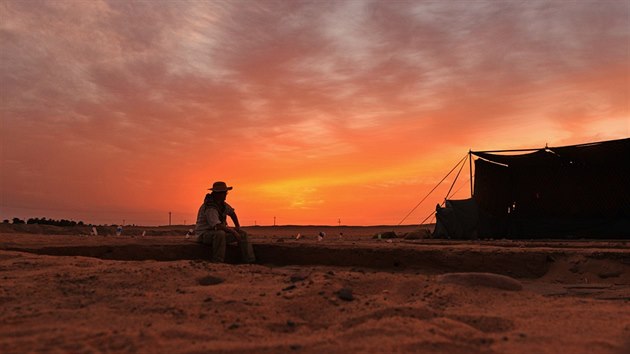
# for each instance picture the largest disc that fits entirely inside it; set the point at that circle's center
(75, 304)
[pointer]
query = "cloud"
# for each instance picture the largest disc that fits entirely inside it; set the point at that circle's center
(276, 89)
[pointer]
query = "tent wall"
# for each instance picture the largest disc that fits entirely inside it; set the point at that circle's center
(458, 219)
(577, 191)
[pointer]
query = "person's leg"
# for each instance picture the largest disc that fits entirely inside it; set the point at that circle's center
(247, 251)
(218, 241)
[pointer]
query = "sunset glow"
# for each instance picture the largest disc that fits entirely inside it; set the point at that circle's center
(316, 112)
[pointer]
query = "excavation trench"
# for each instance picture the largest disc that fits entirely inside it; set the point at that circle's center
(516, 263)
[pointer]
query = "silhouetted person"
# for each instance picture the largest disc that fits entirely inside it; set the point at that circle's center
(212, 228)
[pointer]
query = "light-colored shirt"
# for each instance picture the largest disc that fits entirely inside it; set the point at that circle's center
(208, 217)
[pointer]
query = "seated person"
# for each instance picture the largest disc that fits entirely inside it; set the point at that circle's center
(212, 228)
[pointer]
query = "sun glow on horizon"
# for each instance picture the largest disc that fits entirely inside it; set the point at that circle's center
(314, 112)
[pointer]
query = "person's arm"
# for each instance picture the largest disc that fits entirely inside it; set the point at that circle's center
(228, 230)
(232, 213)
(212, 216)
(234, 218)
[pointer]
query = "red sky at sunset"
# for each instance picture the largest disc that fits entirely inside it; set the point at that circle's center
(314, 111)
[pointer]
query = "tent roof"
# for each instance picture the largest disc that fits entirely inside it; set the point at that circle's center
(604, 152)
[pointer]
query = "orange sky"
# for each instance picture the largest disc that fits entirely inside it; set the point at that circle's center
(314, 111)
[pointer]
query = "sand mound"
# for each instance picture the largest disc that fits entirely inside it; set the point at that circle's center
(372, 296)
(489, 280)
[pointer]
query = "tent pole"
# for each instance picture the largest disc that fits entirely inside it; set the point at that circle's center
(462, 162)
(471, 176)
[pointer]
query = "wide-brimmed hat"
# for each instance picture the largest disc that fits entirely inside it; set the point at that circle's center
(219, 187)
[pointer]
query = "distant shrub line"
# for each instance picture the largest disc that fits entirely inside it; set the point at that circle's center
(44, 221)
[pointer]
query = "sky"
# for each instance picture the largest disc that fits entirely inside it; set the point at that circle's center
(316, 112)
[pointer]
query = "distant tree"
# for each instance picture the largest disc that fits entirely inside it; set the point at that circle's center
(18, 221)
(5, 221)
(45, 221)
(65, 222)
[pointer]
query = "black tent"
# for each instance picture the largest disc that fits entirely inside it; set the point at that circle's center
(458, 219)
(569, 191)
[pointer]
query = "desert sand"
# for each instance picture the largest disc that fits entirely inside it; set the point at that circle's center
(70, 293)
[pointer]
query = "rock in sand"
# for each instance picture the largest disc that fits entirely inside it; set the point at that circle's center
(210, 280)
(345, 294)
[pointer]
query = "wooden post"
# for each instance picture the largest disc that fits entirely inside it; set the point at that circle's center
(471, 175)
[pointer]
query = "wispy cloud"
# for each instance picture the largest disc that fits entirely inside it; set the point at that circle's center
(272, 91)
